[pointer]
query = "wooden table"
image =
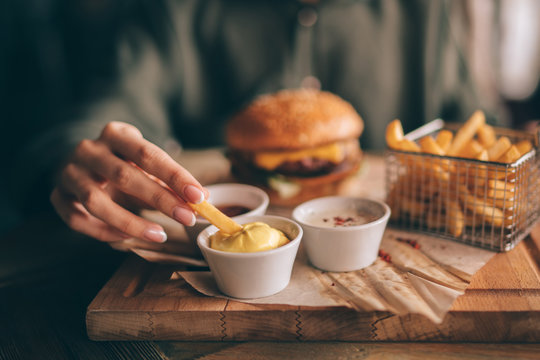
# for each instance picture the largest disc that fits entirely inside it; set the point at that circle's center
(42, 312)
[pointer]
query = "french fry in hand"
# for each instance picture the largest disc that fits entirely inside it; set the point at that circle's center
(444, 139)
(467, 132)
(394, 134)
(486, 135)
(216, 217)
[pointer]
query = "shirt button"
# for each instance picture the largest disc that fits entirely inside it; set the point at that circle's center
(307, 16)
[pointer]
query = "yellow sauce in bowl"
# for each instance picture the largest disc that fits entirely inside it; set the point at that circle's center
(254, 237)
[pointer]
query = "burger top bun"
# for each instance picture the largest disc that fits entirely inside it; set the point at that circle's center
(293, 119)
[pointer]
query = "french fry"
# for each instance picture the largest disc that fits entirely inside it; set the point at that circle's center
(452, 219)
(483, 155)
(216, 217)
(430, 146)
(471, 150)
(510, 156)
(394, 134)
(524, 146)
(408, 145)
(499, 148)
(480, 208)
(455, 218)
(467, 132)
(444, 139)
(486, 135)
(414, 207)
(501, 185)
(495, 189)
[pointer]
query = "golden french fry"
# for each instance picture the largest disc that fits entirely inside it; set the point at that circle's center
(471, 150)
(486, 135)
(414, 207)
(216, 217)
(455, 218)
(467, 132)
(394, 134)
(500, 194)
(480, 208)
(480, 220)
(510, 156)
(499, 148)
(451, 219)
(495, 189)
(430, 146)
(483, 155)
(524, 146)
(500, 185)
(444, 139)
(408, 145)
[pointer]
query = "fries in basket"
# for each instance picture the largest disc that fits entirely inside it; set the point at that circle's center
(476, 184)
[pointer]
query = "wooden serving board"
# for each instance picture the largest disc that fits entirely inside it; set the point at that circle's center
(144, 301)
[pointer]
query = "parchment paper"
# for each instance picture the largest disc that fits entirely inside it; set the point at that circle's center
(424, 280)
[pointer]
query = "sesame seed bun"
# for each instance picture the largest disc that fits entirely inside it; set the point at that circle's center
(293, 119)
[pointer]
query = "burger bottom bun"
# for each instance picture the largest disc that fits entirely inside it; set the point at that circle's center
(309, 187)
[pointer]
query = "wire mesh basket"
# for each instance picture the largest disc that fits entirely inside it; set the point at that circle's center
(482, 203)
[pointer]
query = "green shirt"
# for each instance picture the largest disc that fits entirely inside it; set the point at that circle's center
(178, 69)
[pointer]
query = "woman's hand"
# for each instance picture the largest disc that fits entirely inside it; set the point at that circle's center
(121, 168)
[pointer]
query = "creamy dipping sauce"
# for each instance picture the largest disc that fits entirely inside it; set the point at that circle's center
(254, 237)
(343, 218)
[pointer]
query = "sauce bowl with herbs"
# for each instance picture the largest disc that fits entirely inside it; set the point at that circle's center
(342, 233)
(232, 200)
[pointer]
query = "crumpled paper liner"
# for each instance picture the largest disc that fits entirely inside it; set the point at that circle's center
(424, 280)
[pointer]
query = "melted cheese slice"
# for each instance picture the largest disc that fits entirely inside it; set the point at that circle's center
(271, 160)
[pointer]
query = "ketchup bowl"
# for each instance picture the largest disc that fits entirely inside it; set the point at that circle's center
(233, 200)
(248, 275)
(342, 233)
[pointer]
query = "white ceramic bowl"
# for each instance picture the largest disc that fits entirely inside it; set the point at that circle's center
(247, 196)
(257, 274)
(342, 248)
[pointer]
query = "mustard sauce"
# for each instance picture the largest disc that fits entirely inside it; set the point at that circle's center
(254, 237)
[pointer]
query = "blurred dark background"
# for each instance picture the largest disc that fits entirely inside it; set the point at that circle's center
(54, 53)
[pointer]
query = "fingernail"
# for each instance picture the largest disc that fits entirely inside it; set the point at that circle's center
(155, 234)
(194, 194)
(184, 216)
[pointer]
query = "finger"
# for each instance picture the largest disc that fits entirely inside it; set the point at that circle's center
(132, 181)
(80, 220)
(97, 202)
(127, 141)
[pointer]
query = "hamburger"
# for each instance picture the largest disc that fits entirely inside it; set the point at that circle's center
(295, 144)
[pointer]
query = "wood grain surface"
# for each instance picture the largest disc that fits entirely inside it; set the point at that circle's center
(144, 301)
